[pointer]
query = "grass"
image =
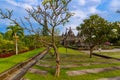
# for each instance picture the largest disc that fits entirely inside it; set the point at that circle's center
(6, 63)
(63, 76)
(108, 74)
(74, 57)
(111, 54)
(62, 50)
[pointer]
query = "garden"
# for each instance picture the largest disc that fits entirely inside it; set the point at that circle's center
(74, 60)
(34, 48)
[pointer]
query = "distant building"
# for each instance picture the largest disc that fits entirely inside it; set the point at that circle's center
(69, 39)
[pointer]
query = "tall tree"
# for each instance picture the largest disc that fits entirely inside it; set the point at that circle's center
(16, 31)
(50, 14)
(96, 31)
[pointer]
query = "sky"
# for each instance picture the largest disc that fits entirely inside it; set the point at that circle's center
(82, 9)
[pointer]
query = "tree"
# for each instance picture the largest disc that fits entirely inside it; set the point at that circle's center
(7, 35)
(96, 31)
(1, 35)
(44, 29)
(16, 31)
(44, 32)
(50, 14)
(115, 40)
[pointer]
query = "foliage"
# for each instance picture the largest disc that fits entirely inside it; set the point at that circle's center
(1, 36)
(8, 35)
(7, 43)
(96, 31)
(22, 46)
(28, 41)
(45, 32)
(6, 46)
(16, 32)
(15, 29)
(115, 40)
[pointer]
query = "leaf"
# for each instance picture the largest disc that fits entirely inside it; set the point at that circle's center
(64, 2)
(46, 1)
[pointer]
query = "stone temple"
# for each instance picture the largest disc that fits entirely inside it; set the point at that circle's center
(70, 39)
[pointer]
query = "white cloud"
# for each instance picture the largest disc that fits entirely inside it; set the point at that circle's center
(95, 1)
(85, 8)
(31, 2)
(12, 2)
(82, 2)
(88, 2)
(82, 10)
(115, 5)
(78, 14)
(93, 10)
(20, 4)
(26, 6)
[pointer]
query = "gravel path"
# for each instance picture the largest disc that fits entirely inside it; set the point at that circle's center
(112, 50)
(114, 78)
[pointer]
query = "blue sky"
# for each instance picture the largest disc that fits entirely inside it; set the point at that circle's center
(82, 9)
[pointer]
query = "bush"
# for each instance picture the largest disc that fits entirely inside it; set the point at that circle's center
(6, 46)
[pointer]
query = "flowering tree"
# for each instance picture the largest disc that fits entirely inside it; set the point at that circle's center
(115, 39)
(96, 31)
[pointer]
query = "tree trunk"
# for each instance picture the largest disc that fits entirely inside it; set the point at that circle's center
(57, 73)
(16, 44)
(16, 47)
(91, 51)
(66, 49)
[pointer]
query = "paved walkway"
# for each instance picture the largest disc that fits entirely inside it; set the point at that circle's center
(114, 78)
(112, 50)
(37, 71)
(95, 70)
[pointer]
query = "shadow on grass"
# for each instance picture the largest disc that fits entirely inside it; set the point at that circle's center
(49, 69)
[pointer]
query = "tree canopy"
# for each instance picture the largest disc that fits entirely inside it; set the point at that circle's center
(96, 31)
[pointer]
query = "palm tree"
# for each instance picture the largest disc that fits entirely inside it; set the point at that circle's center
(16, 32)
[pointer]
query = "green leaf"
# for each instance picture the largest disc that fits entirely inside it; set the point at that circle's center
(64, 2)
(46, 1)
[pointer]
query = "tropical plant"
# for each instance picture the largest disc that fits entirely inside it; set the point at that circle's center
(16, 33)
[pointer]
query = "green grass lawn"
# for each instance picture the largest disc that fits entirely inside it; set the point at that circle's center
(74, 57)
(111, 54)
(6, 63)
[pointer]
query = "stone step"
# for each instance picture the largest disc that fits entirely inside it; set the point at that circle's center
(37, 71)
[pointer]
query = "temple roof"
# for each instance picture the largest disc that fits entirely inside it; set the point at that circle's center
(70, 32)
